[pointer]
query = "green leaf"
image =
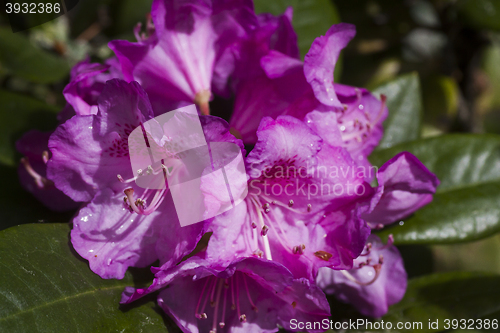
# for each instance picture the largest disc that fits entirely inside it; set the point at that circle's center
(466, 206)
(447, 296)
(128, 13)
(19, 57)
(483, 14)
(311, 18)
(46, 287)
(20, 113)
(405, 110)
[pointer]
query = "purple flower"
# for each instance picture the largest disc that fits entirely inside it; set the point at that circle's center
(122, 225)
(291, 87)
(32, 171)
(86, 84)
(89, 151)
(301, 209)
(250, 295)
(378, 280)
(241, 61)
(324, 52)
(177, 62)
(257, 93)
(405, 185)
(82, 92)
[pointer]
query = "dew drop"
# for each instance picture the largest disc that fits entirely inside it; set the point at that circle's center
(401, 223)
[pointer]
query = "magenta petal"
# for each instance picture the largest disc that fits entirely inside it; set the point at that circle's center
(319, 62)
(86, 84)
(178, 61)
(405, 185)
(112, 238)
(84, 88)
(231, 235)
(371, 300)
(88, 152)
(264, 292)
(281, 141)
(361, 122)
(32, 145)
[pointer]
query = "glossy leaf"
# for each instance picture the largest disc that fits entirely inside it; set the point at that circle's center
(405, 110)
(467, 204)
(20, 58)
(46, 287)
(311, 18)
(447, 296)
(19, 113)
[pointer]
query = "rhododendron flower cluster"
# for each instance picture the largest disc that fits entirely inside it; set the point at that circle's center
(304, 227)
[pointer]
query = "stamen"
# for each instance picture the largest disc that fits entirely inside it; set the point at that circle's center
(233, 304)
(155, 202)
(254, 307)
(120, 178)
(241, 316)
(203, 314)
(264, 230)
(45, 156)
(258, 253)
(390, 242)
(267, 247)
(279, 203)
(129, 192)
(41, 182)
(299, 249)
(309, 208)
(323, 255)
(368, 248)
(376, 267)
(198, 315)
(219, 289)
(222, 322)
(212, 293)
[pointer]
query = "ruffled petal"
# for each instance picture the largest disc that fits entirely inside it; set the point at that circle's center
(319, 62)
(264, 294)
(32, 175)
(88, 152)
(374, 299)
(405, 185)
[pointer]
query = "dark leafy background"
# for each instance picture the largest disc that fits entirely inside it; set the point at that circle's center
(437, 61)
